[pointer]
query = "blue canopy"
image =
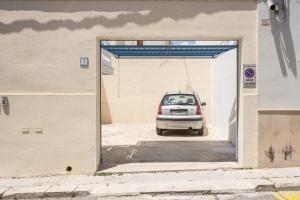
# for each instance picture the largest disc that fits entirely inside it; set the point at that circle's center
(126, 51)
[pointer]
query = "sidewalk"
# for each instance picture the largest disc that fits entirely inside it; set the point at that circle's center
(106, 184)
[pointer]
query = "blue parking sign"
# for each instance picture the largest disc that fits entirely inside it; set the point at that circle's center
(249, 72)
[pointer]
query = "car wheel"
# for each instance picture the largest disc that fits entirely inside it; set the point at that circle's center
(159, 131)
(200, 131)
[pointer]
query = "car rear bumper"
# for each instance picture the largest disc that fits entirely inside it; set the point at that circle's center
(179, 122)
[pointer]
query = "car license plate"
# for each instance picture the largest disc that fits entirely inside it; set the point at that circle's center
(179, 113)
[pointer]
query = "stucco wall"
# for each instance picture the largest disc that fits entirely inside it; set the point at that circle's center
(133, 92)
(224, 95)
(279, 91)
(46, 88)
(58, 146)
(279, 136)
(40, 45)
(279, 56)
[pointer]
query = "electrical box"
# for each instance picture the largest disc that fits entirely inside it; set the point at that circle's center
(4, 101)
(38, 130)
(84, 62)
(25, 130)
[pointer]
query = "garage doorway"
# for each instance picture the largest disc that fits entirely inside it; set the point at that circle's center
(135, 75)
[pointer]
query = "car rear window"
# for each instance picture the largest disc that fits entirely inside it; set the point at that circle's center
(179, 99)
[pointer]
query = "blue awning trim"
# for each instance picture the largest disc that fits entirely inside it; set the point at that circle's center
(167, 51)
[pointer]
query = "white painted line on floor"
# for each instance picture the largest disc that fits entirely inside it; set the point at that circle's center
(132, 153)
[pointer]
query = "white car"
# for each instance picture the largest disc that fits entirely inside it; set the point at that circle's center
(180, 111)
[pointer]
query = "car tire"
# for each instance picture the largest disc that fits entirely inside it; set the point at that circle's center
(200, 131)
(159, 131)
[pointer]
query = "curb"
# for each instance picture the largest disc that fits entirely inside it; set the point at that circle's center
(83, 193)
(32, 195)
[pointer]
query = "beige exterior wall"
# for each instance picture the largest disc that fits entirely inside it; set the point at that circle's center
(46, 88)
(133, 92)
(279, 136)
(58, 146)
(41, 43)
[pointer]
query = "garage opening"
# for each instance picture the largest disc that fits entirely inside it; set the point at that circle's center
(168, 105)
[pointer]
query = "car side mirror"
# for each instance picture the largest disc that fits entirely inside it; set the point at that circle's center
(203, 104)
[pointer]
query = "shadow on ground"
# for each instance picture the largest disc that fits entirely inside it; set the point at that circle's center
(168, 151)
(180, 133)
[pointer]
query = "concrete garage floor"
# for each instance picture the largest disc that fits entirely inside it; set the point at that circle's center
(137, 147)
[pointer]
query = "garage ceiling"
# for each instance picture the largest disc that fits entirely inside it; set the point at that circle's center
(125, 51)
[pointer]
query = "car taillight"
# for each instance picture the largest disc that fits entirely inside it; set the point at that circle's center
(198, 111)
(159, 112)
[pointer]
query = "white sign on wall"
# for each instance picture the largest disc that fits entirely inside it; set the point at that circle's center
(84, 62)
(249, 75)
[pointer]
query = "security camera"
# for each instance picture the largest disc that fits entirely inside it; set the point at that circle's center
(273, 5)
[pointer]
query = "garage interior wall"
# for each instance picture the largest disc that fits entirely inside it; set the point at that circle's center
(224, 95)
(137, 86)
(279, 91)
(41, 43)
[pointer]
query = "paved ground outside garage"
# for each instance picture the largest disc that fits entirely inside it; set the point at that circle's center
(137, 147)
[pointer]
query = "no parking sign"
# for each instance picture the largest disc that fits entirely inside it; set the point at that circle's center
(249, 72)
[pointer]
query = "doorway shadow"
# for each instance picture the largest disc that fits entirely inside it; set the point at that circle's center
(105, 107)
(168, 151)
(232, 123)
